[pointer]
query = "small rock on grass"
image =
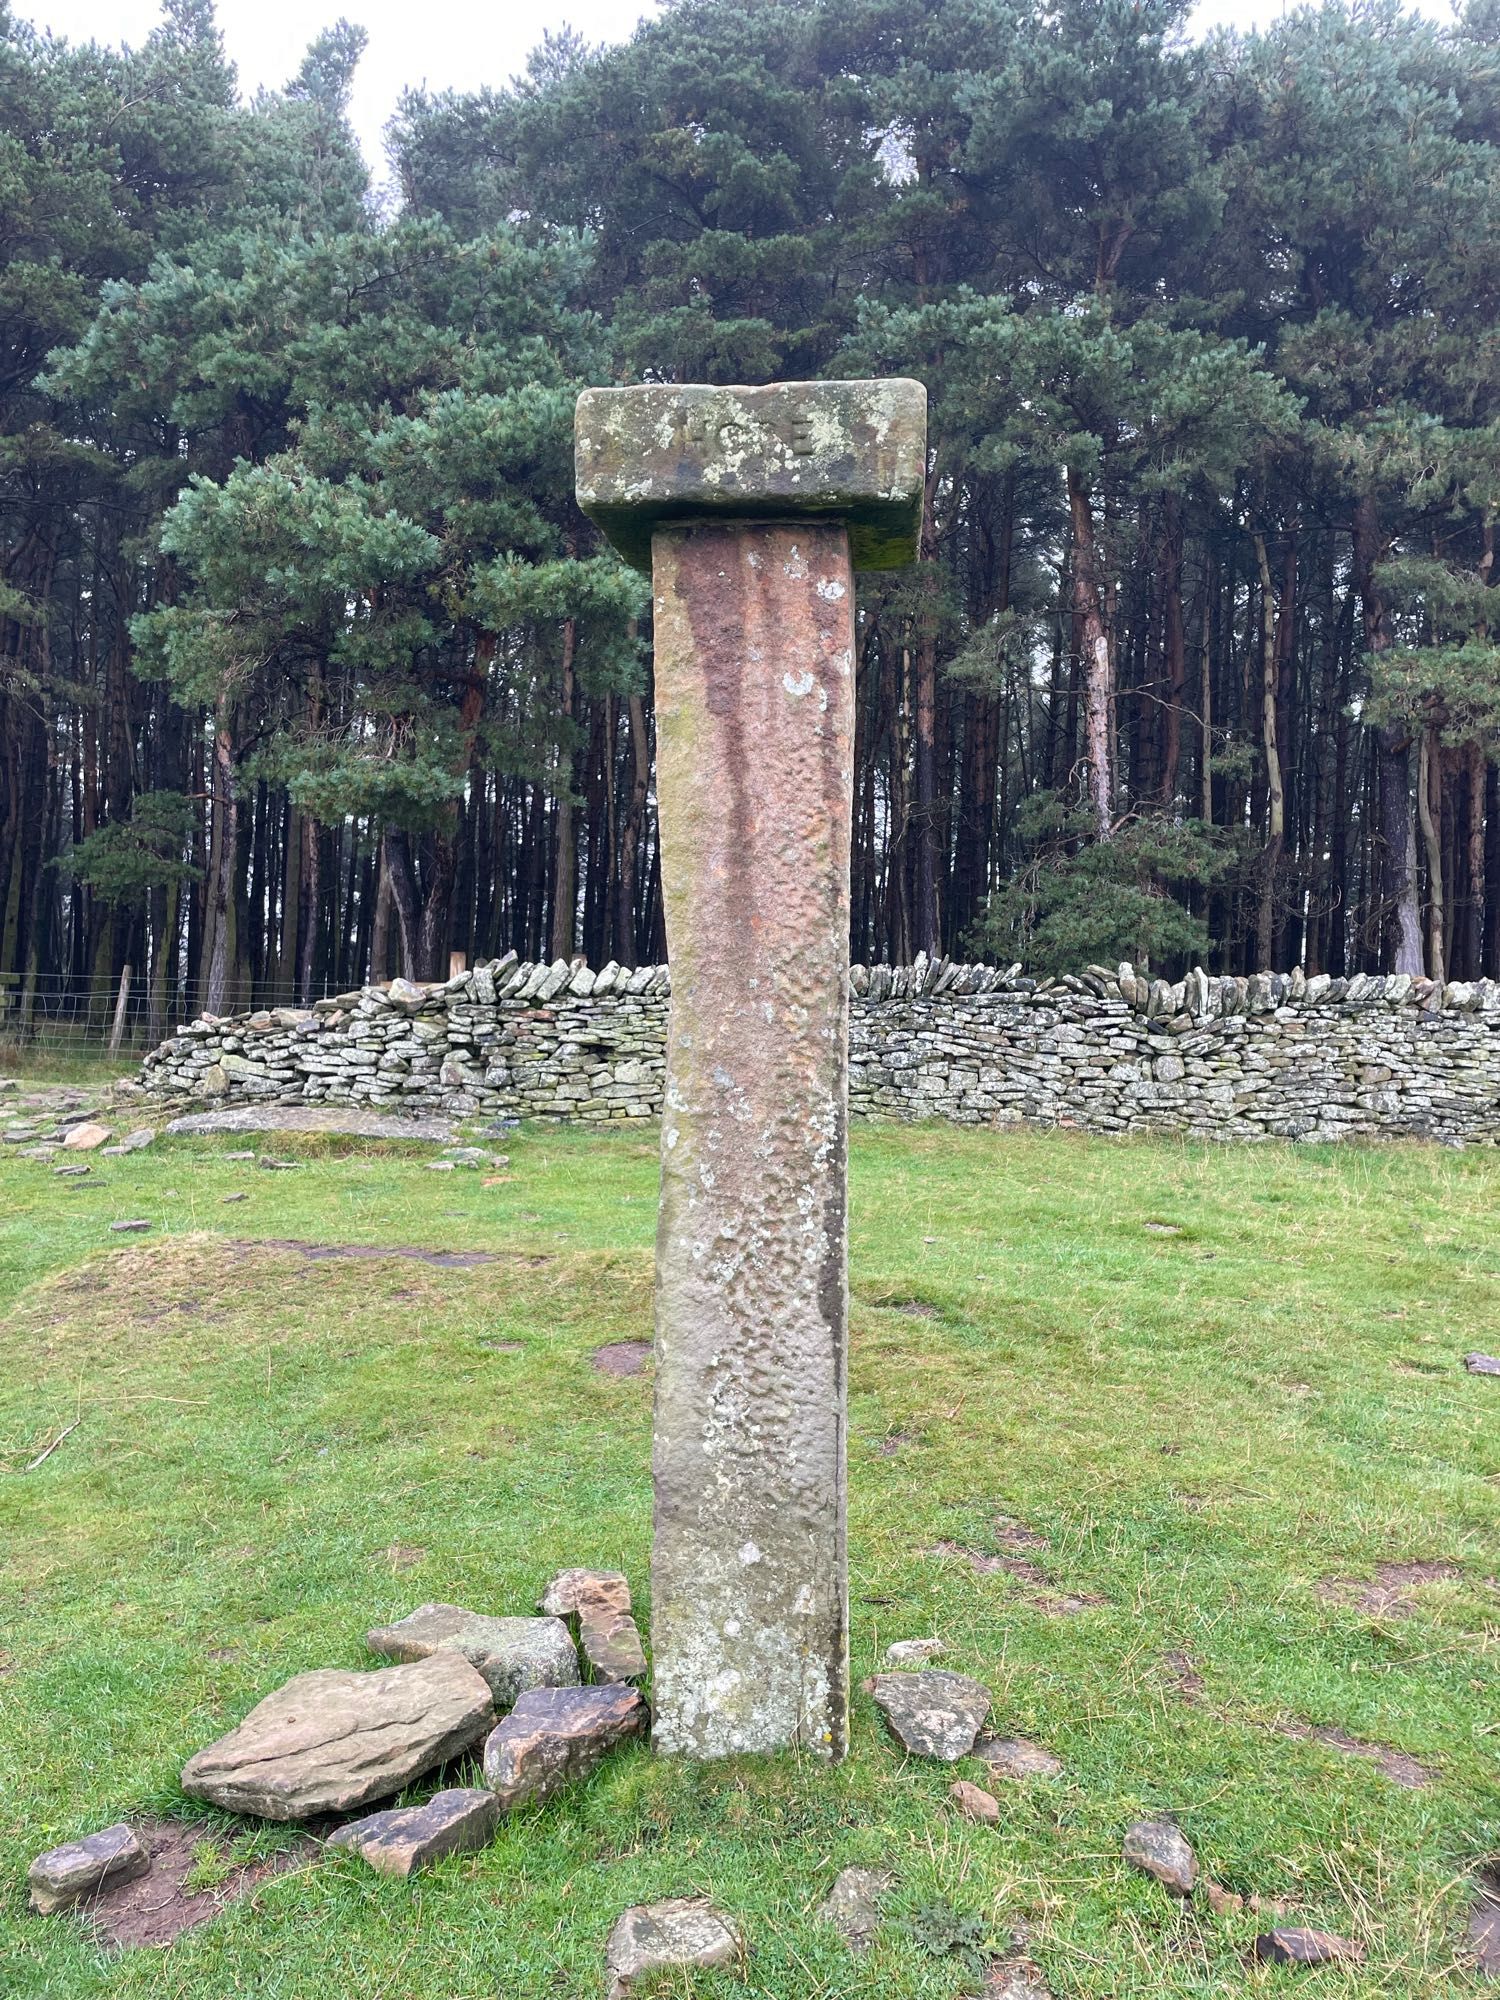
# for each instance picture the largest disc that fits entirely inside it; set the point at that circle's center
(975, 1803)
(411, 1838)
(655, 1937)
(513, 1654)
(1305, 1947)
(934, 1713)
(1482, 1364)
(86, 1137)
(914, 1652)
(1015, 1757)
(72, 1173)
(236, 1197)
(132, 1228)
(65, 1875)
(1160, 1850)
(598, 1602)
(556, 1735)
(852, 1905)
(1014, 1979)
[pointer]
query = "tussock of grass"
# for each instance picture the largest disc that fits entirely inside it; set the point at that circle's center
(274, 1453)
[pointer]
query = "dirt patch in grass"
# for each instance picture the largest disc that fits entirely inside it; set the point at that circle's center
(1184, 1678)
(322, 1253)
(1389, 1593)
(1484, 1920)
(159, 1906)
(892, 1442)
(1398, 1765)
(1015, 1535)
(1042, 1595)
(622, 1357)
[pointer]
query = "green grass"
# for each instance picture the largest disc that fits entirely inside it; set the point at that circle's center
(273, 1454)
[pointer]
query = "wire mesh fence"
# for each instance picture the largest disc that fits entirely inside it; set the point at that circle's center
(53, 1014)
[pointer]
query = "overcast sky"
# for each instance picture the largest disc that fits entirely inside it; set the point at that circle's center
(445, 44)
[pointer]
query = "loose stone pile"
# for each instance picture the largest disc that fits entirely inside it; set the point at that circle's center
(1277, 1055)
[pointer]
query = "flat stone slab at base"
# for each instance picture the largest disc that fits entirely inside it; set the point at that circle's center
(556, 1735)
(349, 1122)
(65, 1875)
(331, 1741)
(1305, 1947)
(1161, 1851)
(933, 1713)
(654, 1937)
(411, 1838)
(852, 1905)
(513, 1654)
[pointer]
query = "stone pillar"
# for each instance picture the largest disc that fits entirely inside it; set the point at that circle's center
(748, 501)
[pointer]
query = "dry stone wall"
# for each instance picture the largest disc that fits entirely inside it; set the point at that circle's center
(1273, 1056)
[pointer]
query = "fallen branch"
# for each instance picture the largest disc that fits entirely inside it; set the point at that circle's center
(47, 1453)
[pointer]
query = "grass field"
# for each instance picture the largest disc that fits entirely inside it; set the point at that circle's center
(1211, 1380)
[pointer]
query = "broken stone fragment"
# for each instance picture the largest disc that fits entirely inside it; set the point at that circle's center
(513, 1654)
(556, 1735)
(975, 1803)
(137, 1226)
(655, 1937)
(331, 1741)
(913, 1652)
(1223, 1902)
(934, 1713)
(595, 1592)
(1014, 1757)
(1159, 1850)
(65, 1875)
(598, 1601)
(1305, 1947)
(411, 1838)
(612, 1647)
(852, 1905)
(1482, 1364)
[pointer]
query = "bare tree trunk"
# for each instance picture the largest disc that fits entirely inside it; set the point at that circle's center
(221, 886)
(1093, 646)
(1265, 922)
(632, 825)
(1400, 915)
(565, 857)
(1429, 780)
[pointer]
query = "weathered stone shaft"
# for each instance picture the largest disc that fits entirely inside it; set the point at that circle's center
(755, 723)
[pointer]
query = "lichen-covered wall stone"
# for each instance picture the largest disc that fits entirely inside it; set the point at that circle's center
(1277, 1055)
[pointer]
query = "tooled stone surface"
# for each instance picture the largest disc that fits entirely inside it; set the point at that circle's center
(653, 1937)
(330, 1741)
(64, 1875)
(513, 1654)
(1160, 1850)
(411, 1838)
(934, 1713)
(755, 716)
(555, 1735)
(850, 451)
